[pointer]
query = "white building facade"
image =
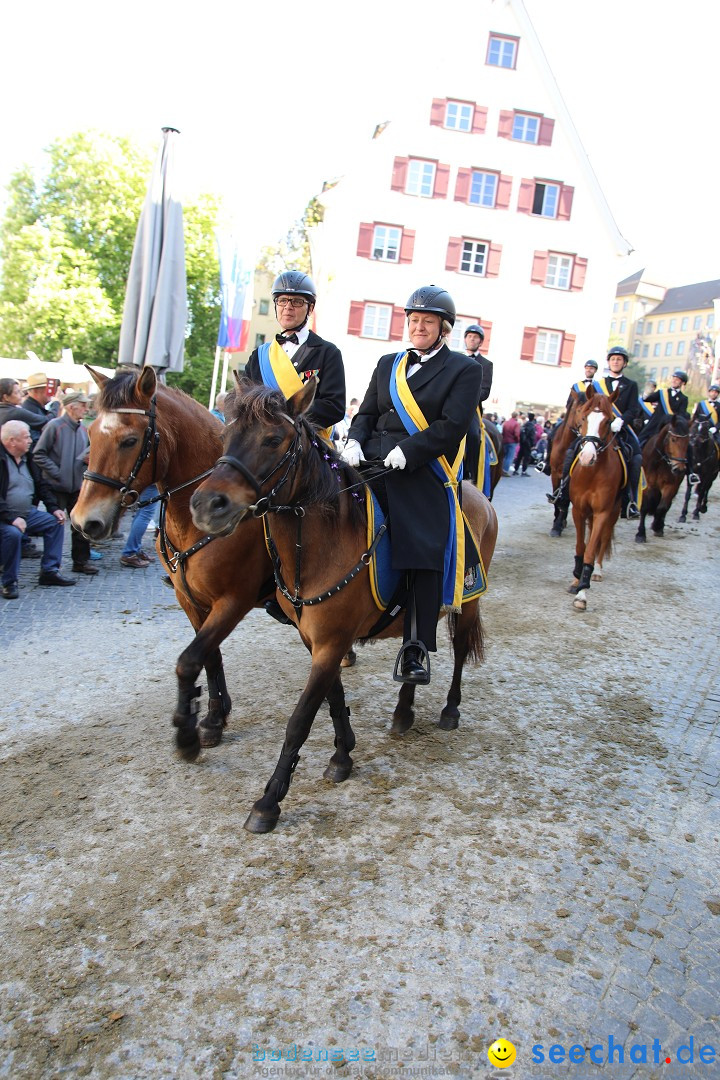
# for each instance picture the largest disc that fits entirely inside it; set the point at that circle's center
(487, 191)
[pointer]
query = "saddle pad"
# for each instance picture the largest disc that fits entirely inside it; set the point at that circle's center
(384, 580)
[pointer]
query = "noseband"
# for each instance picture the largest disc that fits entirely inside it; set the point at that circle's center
(263, 504)
(151, 438)
(667, 458)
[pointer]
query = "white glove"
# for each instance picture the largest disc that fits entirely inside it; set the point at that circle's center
(395, 459)
(713, 430)
(617, 424)
(352, 453)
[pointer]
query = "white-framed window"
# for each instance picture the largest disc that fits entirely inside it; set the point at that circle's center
(681, 348)
(420, 178)
(697, 322)
(656, 349)
(645, 350)
(639, 327)
(386, 243)
(626, 305)
(526, 128)
(648, 328)
(652, 373)
(668, 348)
(502, 51)
(612, 326)
(459, 116)
(559, 272)
(664, 374)
(623, 326)
(264, 307)
(546, 199)
(661, 326)
(483, 188)
(615, 307)
(671, 326)
(684, 323)
(473, 257)
(710, 321)
(548, 347)
(376, 321)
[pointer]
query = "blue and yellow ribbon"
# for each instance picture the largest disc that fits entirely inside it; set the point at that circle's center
(602, 386)
(450, 475)
(709, 409)
(278, 373)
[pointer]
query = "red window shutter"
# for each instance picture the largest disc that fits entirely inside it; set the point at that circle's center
(462, 185)
(487, 327)
(568, 348)
(442, 179)
(357, 310)
(526, 196)
(452, 258)
(565, 202)
(546, 131)
(504, 191)
(365, 239)
(492, 266)
(399, 176)
(479, 120)
(407, 246)
(437, 112)
(539, 267)
(578, 274)
(397, 324)
(527, 351)
(505, 124)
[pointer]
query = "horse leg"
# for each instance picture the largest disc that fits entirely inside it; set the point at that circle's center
(211, 726)
(341, 763)
(580, 601)
(640, 535)
(404, 717)
(468, 640)
(203, 651)
(688, 495)
(265, 812)
(349, 659)
(658, 525)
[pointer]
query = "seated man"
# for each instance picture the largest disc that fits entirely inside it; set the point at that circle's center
(21, 488)
(669, 403)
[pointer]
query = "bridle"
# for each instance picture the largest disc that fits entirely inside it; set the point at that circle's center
(263, 504)
(668, 458)
(600, 444)
(151, 438)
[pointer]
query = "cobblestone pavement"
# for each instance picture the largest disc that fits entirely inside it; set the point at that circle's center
(548, 874)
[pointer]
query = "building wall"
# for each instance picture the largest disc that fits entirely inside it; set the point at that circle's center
(507, 300)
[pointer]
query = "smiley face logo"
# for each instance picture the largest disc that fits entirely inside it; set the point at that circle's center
(501, 1053)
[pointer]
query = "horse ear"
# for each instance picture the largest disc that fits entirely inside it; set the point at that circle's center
(97, 376)
(301, 401)
(147, 381)
(589, 391)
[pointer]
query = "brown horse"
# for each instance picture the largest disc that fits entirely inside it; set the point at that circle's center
(596, 485)
(314, 508)
(665, 463)
(702, 468)
(565, 433)
(146, 433)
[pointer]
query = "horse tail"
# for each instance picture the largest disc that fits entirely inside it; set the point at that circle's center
(475, 635)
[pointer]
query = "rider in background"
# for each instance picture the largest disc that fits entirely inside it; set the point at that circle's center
(626, 408)
(474, 337)
(414, 417)
(668, 403)
(579, 389)
(710, 410)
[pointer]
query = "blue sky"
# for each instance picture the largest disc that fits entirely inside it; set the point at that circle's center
(242, 83)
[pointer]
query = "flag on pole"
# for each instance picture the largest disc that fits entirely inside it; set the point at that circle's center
(236, 288)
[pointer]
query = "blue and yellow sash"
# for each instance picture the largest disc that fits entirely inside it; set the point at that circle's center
(710, 410)
(581, 386)
(665, 403)
(602, 386)
(450, 475)
(648, 407)
(278, 373)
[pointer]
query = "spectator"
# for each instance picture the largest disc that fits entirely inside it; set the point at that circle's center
(36, 399)
(340, 430)
(219, 407)
(12, 409)
(21, 489)
(61, 452)
(510, 442)
(133, 557)
(528, 438)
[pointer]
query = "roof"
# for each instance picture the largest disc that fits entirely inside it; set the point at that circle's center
(689, 297)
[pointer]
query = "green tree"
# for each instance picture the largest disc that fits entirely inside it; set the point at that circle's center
(293, 251)
(66, 241)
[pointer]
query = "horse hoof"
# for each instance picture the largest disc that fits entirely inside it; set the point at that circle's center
(401, 724)
(573, 589)
(658, 532)
(187, 744)
(262, 821)
(597, 576)
(337, 772)
(555, 532)
(449, 719)
(640, 540)
(349, 659)
(210, 736)
(580, 605)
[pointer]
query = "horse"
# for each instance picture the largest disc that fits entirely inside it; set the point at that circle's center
(565, 433)
(148, 433)
(703, 466)
(496, 469)
(318, 533)
(596, 485)
(664, 461)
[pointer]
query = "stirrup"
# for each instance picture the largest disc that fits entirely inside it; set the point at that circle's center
(633, 510)
(693, 478)
(555, 496)
(419, 677)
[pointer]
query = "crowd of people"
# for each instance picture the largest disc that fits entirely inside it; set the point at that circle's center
(422, 407)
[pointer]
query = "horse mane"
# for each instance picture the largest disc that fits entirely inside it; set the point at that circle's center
(680, 425)
(324, 474)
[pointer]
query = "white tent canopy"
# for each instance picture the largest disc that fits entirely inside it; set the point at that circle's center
(69, 374)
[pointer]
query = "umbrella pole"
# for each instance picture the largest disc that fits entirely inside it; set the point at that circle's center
(213, 387)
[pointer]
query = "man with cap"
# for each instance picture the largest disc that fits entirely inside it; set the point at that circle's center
(474, 337)
(576, 390)
(37, 398)
(22, 487)
(668, 403)
(296, 354)
(61, 453)
(709, 409)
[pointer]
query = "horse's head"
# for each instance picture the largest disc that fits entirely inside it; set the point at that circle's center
(123, 446)
(593, 419)
(673, 444)
(263, 441)
(700, 435)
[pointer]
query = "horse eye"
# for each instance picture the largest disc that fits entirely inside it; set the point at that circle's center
(128, 443)
(272, 441)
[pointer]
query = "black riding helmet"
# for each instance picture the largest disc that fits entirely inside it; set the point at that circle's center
(680, 374)
(618, 350)
(714, 387)
(591, 363)
(432, 298)
(475, 329)
(294, 283)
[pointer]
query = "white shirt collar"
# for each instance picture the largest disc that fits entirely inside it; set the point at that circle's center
(302, 335)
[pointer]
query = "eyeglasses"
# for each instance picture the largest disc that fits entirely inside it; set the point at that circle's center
(291, 301)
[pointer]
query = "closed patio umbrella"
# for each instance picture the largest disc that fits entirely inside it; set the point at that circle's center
(155, 311)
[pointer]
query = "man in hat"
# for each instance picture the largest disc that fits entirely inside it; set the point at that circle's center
(37, 397)
(21, 489)
(668, 403)
(61, 453)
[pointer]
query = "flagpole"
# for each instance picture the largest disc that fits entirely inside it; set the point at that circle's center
(214, 377)
(223, 381)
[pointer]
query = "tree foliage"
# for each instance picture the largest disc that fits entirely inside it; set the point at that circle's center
(66, 241)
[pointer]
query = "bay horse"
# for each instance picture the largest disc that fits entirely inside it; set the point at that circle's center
(597, 481)
(565, 433)
(315, 515)
(703, 466)
(664, 463)
(148, 433)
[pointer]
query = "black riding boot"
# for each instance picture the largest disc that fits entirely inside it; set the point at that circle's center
(633, 509)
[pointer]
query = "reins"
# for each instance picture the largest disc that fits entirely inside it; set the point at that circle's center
(667, 458)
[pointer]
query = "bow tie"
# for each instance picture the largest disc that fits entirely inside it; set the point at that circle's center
(415, 358)
(282, 339)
